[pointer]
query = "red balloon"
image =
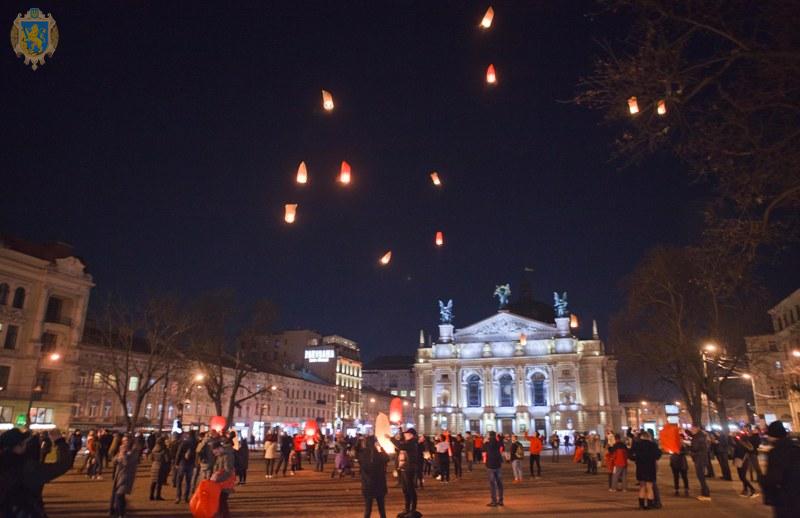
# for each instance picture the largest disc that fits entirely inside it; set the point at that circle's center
(217, 423)
(396, 410)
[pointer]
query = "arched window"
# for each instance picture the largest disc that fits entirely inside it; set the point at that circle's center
(4, 294)
(19, 298)
(474, 391)
(506, 390)
(538, 391)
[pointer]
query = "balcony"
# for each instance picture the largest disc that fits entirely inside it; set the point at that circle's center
(58, 319)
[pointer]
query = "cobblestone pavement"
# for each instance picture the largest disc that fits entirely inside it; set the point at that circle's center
(564, 490)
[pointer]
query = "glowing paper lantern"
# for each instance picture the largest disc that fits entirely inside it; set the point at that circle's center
(396, 410)
(662, 107)
(344, 173)
(670, 438)
(439, 238)
(382, 429)
(217, 423)
(386, 258)
(491, 75)
(573, 321)
(302, 173)
(435, 179)
(487, 18)
(290, 212)
(633, 105)
(523, 339)
(311, 428)
(327, 100)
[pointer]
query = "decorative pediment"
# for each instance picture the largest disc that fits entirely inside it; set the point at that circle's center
(504, 326)
(70, 266)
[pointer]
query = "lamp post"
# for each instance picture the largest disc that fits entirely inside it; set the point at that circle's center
(707, 348)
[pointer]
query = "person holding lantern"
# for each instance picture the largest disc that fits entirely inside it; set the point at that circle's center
(224, 470)
(408, 454)
(373, 460)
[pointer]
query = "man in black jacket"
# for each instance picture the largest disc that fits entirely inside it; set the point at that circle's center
(699, 452)
(408, 455)
(184, 467)
(493, 458)
(781, 484)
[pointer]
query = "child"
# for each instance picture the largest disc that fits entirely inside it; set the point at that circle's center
(293, 460)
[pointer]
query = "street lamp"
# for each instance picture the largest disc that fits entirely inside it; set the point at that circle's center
(199, 377)
(796, 353)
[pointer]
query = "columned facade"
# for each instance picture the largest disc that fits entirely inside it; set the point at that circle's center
(511, 374)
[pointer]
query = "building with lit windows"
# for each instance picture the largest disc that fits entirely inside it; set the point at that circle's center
(512, 373)
(774, 362)
(44, 292)
(392, 374)
(338, 360)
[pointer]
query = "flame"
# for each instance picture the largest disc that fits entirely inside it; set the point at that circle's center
(327, 100)
(344, 173)
(633, 105)
(386, 258)
(491, 75)
(302, 173)
(487, 18)
(290, 212)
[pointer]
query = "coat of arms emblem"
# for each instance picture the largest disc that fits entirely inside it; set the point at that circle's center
(34, 36)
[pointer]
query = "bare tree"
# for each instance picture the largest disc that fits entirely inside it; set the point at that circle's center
(225, 347)
(717, 83)
(140, 344)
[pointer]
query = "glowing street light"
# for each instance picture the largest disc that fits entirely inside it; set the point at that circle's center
(199, 376)
(55, 357)
(796, 353)
(747, 376)
(710, 347)
(273, 388)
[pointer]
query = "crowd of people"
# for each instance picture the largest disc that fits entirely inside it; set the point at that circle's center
(182, 460)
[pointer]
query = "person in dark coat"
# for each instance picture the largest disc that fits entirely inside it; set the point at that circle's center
(23, 476)
(372, 460)
(159, 468)
(646, 454)
(699, 450)
(408, 451)
(680, 470)
(125, 464)
(75, 445)
(242, 461)
(742, 454)
(185, 456)
(781, 483)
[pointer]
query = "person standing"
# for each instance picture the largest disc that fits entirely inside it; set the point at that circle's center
(299, 442)
(782, 480)
(646, 454)
(517, 454)
(592, 452)
(741, 455)
(223, 472)
(478, 443)
(204, 459)
(270, 453)
(469, 450)
(321, 450)
(159, 467)
(285, 451)
(185, 455)
(699, 452)
(443, 454)
(456, 447)
(753, 467)
(125, 464)
(536, 454)
(75, 444)
(91, 455)
(555, 444)
(373, 460)
(721, 451)
(493, 459)
(619, 455)
(408, 452)
(242, 461)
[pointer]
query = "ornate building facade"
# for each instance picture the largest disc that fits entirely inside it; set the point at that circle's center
(512, 374)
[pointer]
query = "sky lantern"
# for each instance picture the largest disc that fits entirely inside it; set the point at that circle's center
(435, 179)
(523, 339)
(382, 429)
(290, 212)
(491, 75)
(633, 105)
(327, 100)
(439, 238)
(311, 428)
(344, 173)
(217, 423)
(302, 173)
(662, 107)
(396, 410)
(386, 258)
(487, 18)
(573, 321)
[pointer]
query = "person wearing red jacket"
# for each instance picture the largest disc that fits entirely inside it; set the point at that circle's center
(536, 452)
(619, 455)
(298, 450)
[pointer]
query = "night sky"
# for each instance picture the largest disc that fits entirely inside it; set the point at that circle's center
(162, 139)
